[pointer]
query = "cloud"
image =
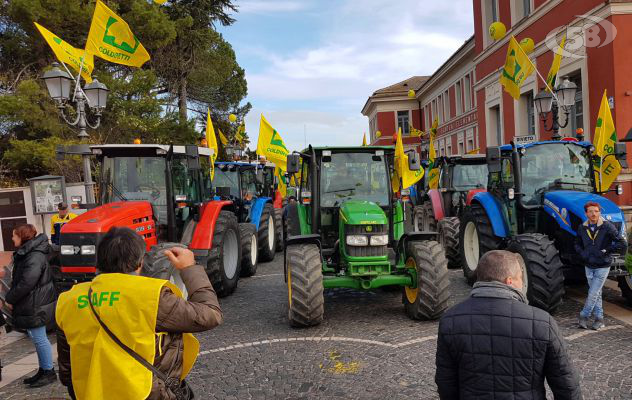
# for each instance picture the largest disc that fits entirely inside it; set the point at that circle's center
(267, 7)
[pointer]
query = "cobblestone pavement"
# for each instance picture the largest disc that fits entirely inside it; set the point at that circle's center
(366, 348)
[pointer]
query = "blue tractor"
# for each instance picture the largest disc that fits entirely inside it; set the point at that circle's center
(250, 207)
(533, 206)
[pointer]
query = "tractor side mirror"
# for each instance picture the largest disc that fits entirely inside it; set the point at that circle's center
(493, 159)
(222, 191)
(413, 161)
(193, 159)
(293, 163)
(621, 154)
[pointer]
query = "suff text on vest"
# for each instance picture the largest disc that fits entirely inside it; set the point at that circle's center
(98, 299)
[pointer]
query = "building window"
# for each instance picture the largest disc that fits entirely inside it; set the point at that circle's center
(461, 148)
(449, 148)
(526, 8)
(446, 105)
(527, 115)
(459, 98)
(577, 112)
(495, 127)
(470, 145)
(402, 122)
(530, 114)
(468, 93)
(494, 10)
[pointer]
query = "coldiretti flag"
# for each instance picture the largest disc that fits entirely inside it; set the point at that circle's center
(68, 54)
(211, 141)
(433, 128)
(239, 136)
(551, 78)
(271, 146)
(402, 171)
(364, 139)
(517, 68)
(111, 39)
(222, 138)
(282, 181)
(433, 171)
(606, 168)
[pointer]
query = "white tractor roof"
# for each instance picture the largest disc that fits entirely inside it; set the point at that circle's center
(203, 151)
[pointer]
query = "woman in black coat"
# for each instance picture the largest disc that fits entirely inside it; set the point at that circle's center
(32, 297)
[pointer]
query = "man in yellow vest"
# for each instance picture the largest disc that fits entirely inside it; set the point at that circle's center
(58, 220)
(146, 315)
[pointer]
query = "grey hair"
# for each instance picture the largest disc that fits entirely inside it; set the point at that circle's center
(498, 265)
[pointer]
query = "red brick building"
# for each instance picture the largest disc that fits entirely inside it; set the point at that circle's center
(600, 54)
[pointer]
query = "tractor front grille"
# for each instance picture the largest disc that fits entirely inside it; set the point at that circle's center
(366, 251)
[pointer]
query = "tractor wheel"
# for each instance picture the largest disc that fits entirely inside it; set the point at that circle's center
(430, 299)
(625, 284)
(545, 280)
(476, 238)
(248, 234)
(279, 228)
(448, 229)
(224, 261)
(423, 218)
(267, 233)
(157, 265)
(304, 285)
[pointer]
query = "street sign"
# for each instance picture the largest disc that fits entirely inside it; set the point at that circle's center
(524, 139)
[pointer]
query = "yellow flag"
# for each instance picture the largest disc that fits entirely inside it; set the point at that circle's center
(271, 145)
(416, 132)
(606, 166)
(433, 171)
(161, 2)
(364, 139)
(282, 181)
(211, 141)
(433, 128)
(111, 39)
(517, 68)
(402, 171)
(222, 138)
(239, 136)
(551, 78)
(474, 151)
(68, 54)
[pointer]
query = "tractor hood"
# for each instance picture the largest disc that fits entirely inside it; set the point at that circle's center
(564, 202)
(360, 212)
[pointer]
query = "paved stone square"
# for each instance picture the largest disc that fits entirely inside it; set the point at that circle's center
(366, 348)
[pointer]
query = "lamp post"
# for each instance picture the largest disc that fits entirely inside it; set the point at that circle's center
(94, 94)
(545, 103)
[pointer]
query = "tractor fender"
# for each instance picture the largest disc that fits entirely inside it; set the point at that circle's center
(278, 199)
(437, 204)
(400, 248)
(256, 209)
(494, 212)
(471, 194)
(203, 235)
(301, 239)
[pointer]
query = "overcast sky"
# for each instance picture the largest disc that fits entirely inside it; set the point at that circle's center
(311, 64)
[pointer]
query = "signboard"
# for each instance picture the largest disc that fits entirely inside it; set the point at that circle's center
(524, 139)
(461, 122)
(46, 193)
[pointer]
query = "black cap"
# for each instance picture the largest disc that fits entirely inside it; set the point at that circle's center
(62, 206)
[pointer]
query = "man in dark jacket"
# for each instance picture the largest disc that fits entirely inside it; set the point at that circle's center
(495, 346)
(595, 242)
(121, 252)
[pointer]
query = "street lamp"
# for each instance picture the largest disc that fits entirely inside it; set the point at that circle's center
(545, 103)
(95, 94)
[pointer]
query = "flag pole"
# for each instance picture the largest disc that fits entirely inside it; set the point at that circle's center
(538, 72)
(79, 78)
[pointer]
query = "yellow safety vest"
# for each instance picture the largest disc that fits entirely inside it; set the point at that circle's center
(128, 305)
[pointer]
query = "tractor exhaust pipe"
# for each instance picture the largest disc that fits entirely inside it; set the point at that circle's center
(517, 170)
(315, 203)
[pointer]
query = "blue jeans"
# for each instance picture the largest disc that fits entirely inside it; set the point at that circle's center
(42, 347)
(596, 278)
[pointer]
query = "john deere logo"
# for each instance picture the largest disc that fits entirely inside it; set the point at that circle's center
(110, 38)
(369, 228)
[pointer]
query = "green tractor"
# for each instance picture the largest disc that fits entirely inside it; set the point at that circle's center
(347, 231)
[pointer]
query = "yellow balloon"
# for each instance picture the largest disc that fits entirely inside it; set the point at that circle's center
(497, 30)
(527, 45)
(232, 117)
(378, 134)
(411, 94)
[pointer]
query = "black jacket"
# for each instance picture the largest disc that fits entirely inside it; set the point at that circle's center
(499, 348)
(606, 237)
(32, 292)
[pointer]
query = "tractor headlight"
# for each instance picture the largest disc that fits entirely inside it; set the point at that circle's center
(67, 250)
(379, 240)
(357, 240)
(88, 250)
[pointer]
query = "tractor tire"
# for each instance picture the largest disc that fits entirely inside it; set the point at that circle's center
(625, 284)
(249, 249)
(423, 218)
(267, 234)
(448, 229)
(279, 229)
(157, 265)
(224, 261)
(430, 299)
(305, 285)
(545, 279)
(476, 238)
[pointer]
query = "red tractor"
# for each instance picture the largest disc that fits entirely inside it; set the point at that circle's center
(164, 193)
(439, 210)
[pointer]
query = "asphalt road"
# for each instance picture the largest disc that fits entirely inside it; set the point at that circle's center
(366, 348)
